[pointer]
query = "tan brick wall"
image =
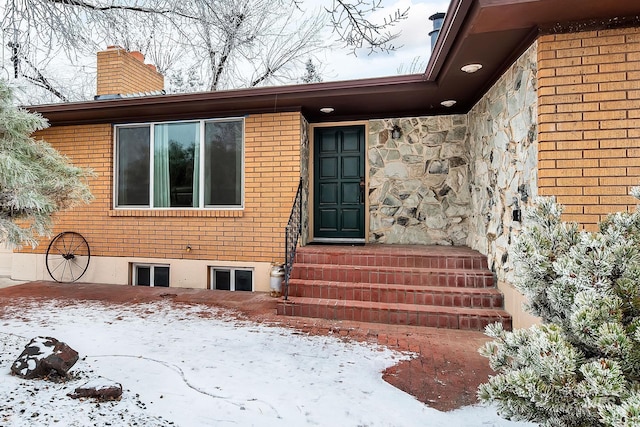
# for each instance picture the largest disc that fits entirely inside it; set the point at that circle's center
(122, 72)
(589, 121)
(256, 234)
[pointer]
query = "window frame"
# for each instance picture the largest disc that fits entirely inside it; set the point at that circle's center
(201, 196)
(152, 266)
(232, 270)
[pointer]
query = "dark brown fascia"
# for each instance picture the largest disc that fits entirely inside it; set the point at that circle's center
(229, 102)
(453, 20)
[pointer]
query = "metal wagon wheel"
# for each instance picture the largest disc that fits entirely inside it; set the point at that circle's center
(67, 257)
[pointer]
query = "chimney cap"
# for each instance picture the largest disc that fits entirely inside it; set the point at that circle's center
(138, 55)
(437, 15)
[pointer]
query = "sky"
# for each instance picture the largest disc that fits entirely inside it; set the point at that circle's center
(414, 40)
(199, 366)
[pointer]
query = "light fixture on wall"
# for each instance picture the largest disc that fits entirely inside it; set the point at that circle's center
(396, 132)
(516, 211)
(188, 248)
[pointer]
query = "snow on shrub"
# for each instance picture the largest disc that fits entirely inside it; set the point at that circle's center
(581, 366)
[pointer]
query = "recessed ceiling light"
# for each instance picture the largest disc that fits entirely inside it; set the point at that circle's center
(448, 103)
(327, 110)
(471, 68)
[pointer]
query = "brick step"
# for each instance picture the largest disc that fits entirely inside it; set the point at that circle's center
(395, 293)
(394, 275)
(447, 257)
(396, 314)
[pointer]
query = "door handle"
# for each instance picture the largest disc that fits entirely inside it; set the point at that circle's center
(362, 185)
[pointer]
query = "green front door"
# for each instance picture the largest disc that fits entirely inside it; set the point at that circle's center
(339, 183)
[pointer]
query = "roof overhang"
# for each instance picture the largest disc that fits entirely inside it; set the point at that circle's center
(491, 32)
(351, 100)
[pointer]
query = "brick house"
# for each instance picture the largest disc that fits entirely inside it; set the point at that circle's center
(449, 157)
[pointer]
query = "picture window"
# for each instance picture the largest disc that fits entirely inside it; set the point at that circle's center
(193, 164)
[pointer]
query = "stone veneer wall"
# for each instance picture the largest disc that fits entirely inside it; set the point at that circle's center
(503, 141)
(419, 183)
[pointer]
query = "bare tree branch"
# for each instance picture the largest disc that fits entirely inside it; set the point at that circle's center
(228, 45)
(351, 22)
(220, 43)
(286, 51)
(125, 7)
(41, 81)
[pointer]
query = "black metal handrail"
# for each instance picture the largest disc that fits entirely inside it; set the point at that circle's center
(292, 232)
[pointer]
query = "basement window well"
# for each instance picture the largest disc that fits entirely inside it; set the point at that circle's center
(231, 279)
(151, 275)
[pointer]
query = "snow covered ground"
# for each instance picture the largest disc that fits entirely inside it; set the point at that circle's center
(199, 366)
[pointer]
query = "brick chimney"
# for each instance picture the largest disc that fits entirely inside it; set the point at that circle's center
(121, 72)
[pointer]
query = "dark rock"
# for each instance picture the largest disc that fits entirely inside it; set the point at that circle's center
(403, 221)
(392, 201)
(458, 133)
(389, 211)
(44, 357)
(444, 190)
(523, 190)
(101, 389)
(438, 167)
(532, 134)
(454, 162)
